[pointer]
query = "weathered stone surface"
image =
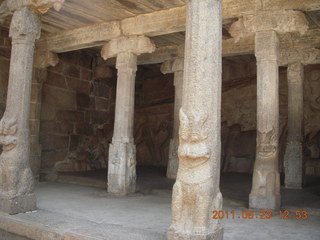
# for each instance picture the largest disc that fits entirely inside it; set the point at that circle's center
(134, 44)
(55, 79)
(199, 150)
(122, 151)
(293, 157)
(304, 55)
(16, 180)
(175, 66)
(58, 97)
(45, 59)
(280, 21)
(70, 116)
(41, 5)
(265, 192)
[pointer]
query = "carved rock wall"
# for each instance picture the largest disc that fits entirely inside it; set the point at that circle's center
(153, 115)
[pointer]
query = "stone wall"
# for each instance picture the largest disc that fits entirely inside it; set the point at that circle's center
(77, 113)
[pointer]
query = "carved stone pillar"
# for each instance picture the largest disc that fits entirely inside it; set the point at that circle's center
(16, 180)
(122, 152)
(174, 66)
(196, 192)
(265, 191)
(294, 153)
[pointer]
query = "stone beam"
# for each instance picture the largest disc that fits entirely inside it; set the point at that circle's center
(292, 46)
(4, 12)
(155, 24)
(305, 56)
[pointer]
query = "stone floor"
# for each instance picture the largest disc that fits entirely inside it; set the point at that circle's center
(75, 212)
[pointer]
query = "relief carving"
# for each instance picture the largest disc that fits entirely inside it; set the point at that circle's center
(8, 130)
(193, 136)
(195, 181)
(266, 143)
(24, 23)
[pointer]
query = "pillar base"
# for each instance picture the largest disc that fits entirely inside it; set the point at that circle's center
(172, 168)
(174, 235)
(293, 165)
(173, 163)
(122, 168)
(293, 185)
(20, 204)
(270, 202)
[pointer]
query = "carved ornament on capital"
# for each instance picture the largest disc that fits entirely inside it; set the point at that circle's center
(41, 6)
(281, 21)
(133, 44)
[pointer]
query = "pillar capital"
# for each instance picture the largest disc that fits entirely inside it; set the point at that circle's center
(281, 21)
(299, 55)
(172, 65)
(44, 59)
(133, 44)
(41, 6)
(25, 23)
(267, 45)
(295, 73)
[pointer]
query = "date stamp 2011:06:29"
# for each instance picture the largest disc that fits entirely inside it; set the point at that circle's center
(261, 214)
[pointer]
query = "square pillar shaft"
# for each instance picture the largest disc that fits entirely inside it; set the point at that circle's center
(265, 191)
(175, 66)
(294, 152)
(122, 153)
(16, 180)
(196, 192)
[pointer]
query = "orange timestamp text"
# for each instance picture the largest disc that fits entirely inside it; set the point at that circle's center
(262, 214)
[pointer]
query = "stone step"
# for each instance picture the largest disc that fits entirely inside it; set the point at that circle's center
(45, 225)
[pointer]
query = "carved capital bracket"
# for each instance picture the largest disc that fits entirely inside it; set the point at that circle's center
(172, 66)
(41, 6)
(267, 46)
(133, 44)
(25, 23)
(281, 21)
(44, 59)
(295, 73)
(299, 55)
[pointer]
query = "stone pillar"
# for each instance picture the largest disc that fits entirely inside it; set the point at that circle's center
(122, 152)
(174, 66)
(16, 180)
(196, 192)
(265, 191)
(294, 153)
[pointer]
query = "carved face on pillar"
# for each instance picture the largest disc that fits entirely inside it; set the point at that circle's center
(266, 145)
(194, 149)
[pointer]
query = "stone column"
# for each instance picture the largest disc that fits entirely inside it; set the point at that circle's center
(122, 152)
(16, 180)
(294, 153)
(174, 66)
(196, 192)
(265, 191)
